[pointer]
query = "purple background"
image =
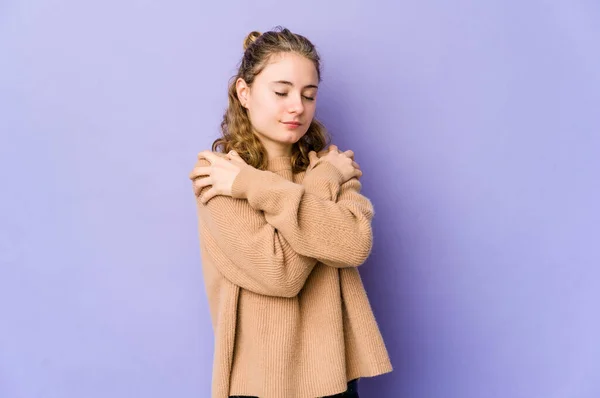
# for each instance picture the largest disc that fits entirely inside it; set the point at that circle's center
(476, 124)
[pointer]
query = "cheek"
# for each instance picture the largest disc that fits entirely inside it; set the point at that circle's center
(311, 107)
(268, 107)
(265, 116)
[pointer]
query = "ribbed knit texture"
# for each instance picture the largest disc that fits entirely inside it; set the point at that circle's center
(289, 311)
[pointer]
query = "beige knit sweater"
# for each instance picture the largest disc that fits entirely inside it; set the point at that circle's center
(290, 314)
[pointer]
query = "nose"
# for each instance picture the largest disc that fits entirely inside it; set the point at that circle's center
(296, 105)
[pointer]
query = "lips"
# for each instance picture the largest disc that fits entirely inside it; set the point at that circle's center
(292, 123)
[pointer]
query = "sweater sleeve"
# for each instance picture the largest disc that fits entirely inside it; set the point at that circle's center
(336, 233)
(247, 250)
(325, 184)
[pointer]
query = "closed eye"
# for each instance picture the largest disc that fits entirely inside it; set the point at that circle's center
(285, 95)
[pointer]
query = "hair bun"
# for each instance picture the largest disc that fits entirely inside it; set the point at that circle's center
(251, 38)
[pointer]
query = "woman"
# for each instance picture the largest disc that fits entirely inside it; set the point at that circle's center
(283, 228)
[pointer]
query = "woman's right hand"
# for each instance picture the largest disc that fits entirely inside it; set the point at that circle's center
(343, 161)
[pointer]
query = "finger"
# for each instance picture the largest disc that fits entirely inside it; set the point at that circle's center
(208, 195)
(333, 148)
(199, 171)
(322, 153)
(355, 165)
(234, 156)
(312, 157)
(358, 173)
(200, 183)
(208, 155)
(350, 154)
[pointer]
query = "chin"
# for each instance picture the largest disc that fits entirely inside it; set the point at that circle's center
(289, 137)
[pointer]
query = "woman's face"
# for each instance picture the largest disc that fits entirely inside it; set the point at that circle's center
(281, 102)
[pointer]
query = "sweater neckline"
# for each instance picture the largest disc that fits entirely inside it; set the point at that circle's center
(280, 163)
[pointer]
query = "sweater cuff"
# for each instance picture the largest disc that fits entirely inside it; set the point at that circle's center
(324, 168)
(243, 181)
(323, 180)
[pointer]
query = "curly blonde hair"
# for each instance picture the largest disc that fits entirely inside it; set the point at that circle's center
(236, 128)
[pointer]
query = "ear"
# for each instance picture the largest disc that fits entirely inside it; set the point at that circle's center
(243, 92)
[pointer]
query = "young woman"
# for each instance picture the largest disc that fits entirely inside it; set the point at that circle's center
(283, 227)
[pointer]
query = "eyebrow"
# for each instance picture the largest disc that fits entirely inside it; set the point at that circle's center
(287, 83)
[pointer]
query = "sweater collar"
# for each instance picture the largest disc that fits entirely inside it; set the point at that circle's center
(280, 163)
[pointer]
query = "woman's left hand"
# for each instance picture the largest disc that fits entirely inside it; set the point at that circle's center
(220, 175)
(315, 156)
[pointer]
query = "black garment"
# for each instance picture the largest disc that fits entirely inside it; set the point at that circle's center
(351, 392)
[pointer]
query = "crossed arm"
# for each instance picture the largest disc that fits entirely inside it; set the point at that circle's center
(271, 232)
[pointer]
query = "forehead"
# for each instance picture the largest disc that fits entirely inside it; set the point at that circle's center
(291, 67)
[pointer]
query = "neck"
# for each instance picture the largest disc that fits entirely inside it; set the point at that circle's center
(278, 151)
(274, 149)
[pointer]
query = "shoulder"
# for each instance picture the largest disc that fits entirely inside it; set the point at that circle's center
(203, 162)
